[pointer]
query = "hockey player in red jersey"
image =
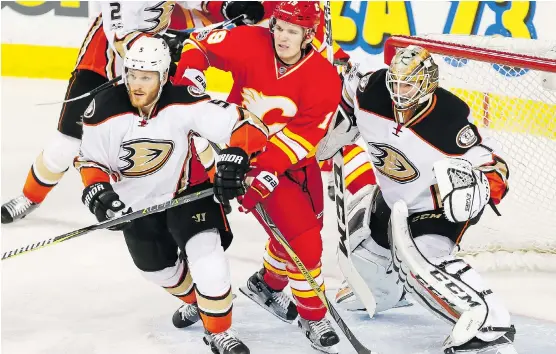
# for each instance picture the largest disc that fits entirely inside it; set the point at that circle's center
(280, 77)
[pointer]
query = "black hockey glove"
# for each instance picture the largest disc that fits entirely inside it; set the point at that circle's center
(254, 11)
(175, 44)
(104, 203)
(230, 173)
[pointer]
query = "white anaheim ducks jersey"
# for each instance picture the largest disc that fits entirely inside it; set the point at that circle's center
(151, 161)
(403, 155)
(124, 21)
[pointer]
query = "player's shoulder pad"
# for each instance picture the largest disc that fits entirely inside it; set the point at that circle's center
(180, 95)
(372, 94)
(107, 104)
(447, 126)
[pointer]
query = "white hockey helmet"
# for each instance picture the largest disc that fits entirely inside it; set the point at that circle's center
(149, 54)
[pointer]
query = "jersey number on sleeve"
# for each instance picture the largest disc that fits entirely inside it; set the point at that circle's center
(216, 37)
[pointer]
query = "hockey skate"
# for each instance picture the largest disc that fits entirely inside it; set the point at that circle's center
(225, 343)
(321, 334)
(186, 315)
(276, 302)
(502, 345)
(16, 209)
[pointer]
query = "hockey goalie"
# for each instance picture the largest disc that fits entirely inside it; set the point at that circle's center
(436, 174)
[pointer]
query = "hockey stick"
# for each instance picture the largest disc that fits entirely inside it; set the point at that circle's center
(184, 36)
(359, 348)
(109, 223)
(355, 281)
(86, 94)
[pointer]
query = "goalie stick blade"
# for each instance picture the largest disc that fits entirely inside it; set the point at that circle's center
(252, 296)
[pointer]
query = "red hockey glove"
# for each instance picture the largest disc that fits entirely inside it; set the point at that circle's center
(262, 185)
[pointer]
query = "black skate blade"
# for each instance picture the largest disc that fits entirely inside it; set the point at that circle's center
(326, 350)
(245, 290)
(6, 217)
(497, 349)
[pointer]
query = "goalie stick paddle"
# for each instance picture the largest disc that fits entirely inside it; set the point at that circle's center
(183, 35)
(109, 223)
(359, 348)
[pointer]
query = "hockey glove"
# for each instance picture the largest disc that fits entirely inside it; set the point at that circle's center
(104, 203)
(195, 78)
(230, 173)
(175, 45)
(262, 184)
(253, 10)
(465, 191)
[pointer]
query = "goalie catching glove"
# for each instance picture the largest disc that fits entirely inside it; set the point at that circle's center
(464, 191)
(233, 178)
(104, 203)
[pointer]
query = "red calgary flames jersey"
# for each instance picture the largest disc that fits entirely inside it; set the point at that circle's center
(296, 102)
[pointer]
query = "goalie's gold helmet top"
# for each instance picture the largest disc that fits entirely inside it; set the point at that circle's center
(411, 78)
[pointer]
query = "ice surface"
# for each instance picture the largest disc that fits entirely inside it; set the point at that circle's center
(85, 295)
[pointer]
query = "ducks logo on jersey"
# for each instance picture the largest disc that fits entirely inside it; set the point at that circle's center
(145, 156)
(393, 163)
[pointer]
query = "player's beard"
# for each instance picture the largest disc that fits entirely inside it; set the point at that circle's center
(145, 99)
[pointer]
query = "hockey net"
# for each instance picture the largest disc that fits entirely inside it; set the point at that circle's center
(510, 85)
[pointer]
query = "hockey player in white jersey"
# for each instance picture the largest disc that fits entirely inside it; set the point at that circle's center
(137, 151)
(112, 32)
(427, 154)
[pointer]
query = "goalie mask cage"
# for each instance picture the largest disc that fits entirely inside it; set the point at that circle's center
(510, 85)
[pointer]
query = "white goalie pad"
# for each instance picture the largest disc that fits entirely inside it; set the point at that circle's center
(436, 289)
(341, 132)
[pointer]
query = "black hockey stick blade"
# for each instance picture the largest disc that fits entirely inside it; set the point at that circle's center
(109, 223)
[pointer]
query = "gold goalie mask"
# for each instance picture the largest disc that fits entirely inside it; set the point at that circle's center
(411, 79)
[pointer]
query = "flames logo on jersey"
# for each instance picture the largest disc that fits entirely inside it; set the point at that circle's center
(145, 156)
(392, 163)
(260, 105)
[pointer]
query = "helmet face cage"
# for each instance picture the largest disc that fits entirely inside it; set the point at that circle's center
(411, 76)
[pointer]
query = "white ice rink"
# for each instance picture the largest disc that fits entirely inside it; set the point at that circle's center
(85, 296)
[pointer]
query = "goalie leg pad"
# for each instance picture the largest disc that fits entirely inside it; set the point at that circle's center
(432, 273)
(426, 279)
(373, 263)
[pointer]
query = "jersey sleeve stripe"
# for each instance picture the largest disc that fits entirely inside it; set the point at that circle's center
(298, 138)
(291, 156)
(296, 148)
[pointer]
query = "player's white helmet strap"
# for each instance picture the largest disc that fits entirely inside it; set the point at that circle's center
(411, 78)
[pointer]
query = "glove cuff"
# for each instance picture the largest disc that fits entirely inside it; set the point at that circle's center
(91, 192)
